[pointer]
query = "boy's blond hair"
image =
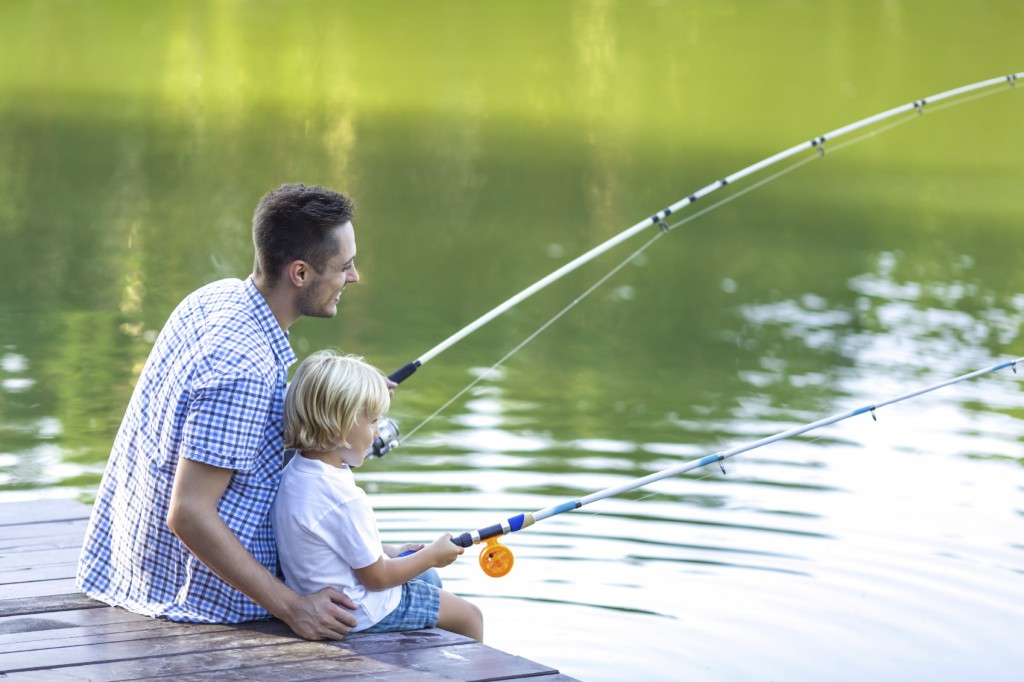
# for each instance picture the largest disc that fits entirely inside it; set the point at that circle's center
(326, 398)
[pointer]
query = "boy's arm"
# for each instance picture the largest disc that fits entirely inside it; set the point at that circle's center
(193, 517)
(387, 572)
(393, 551)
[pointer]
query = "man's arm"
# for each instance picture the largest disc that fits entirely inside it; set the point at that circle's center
(194, 519)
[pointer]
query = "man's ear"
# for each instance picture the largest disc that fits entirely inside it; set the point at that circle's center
(299, 273)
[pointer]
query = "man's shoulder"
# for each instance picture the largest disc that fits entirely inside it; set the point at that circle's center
(222, 295)
(233, 338)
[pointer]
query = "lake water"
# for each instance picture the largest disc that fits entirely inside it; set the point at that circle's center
(488, 145)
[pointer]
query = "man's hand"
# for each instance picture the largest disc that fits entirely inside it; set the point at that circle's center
(194, 519)
(321, 615)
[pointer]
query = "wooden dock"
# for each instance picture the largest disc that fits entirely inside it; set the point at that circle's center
(51, 632)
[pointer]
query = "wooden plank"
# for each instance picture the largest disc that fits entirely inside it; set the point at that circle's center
(177, 649)
(143, 645)
(62, 563)
(466, 661)
(42, 629)
(108, 627)
(32, 573)
(49, 631)
(67, 533)
(469, 662)
(47, 604)
(10, 560)
(70, 544)
(39, 588)
(88, 632)
(40, 511)
(296, 672)
(428, 655)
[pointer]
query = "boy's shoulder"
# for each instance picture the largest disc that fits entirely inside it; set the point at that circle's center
(303, 476)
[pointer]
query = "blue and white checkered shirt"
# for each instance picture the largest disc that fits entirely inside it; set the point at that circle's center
(212, 391)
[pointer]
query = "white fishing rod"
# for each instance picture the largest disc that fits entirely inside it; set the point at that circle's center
(496, 559)
(659, 218)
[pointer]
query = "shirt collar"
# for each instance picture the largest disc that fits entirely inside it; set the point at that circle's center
(268, 323)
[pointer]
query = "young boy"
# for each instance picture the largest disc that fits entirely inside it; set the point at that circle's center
(325, 527)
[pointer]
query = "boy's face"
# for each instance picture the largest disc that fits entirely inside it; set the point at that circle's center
(359, 439)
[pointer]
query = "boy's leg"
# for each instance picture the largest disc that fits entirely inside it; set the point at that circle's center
(458, 615)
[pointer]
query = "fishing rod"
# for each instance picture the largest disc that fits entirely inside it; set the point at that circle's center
(817, 143)
(496, 559)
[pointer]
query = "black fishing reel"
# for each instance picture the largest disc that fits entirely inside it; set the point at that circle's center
(388, 438)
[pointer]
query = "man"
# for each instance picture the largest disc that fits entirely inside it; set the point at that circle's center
(181, 528)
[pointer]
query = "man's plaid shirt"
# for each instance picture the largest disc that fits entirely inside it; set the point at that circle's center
(212, 391)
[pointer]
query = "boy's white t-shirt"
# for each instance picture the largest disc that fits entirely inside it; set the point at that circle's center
(325, 528)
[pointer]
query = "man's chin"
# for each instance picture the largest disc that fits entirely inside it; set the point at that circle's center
(326, 312)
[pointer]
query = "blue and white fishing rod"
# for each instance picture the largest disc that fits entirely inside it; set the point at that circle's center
(659, 218)
(496, 559)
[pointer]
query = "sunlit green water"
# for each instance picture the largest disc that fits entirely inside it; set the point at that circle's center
(486, 146)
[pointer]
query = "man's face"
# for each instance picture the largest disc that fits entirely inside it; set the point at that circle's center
(320, 298)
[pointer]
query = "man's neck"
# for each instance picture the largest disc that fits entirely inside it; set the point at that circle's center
(279, 299)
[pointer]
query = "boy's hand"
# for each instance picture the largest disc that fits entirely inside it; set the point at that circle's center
(410, 548)
(443, 551)
(395, 551)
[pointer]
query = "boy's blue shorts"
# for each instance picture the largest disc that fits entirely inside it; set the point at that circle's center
(419, 608)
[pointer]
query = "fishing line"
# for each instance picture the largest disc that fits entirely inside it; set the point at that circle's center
(493, 368)
(705, 476)
(611, 273)
(660, 217)
(496, 559)
(818, 144)
(487, 373)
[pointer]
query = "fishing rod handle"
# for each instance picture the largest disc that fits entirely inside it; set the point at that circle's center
(472, 537)
(510, 525)
(466, 539)
(404, 372)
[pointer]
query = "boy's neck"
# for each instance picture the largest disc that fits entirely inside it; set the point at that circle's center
(331, 458)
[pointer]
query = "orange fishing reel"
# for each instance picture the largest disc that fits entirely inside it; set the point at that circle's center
(496, 559)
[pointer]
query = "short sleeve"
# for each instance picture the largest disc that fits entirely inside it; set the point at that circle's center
(350, 530)
(226, 421)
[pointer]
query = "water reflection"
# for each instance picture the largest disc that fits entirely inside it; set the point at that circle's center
(887, 527)
(487, 149)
